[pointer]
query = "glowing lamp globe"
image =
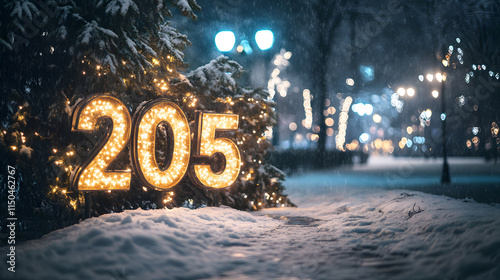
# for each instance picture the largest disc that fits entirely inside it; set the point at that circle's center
(264, 39)
(368, 109)
(364, 137)
(225, 40)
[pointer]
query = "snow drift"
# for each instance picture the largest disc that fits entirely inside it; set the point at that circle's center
(377, 234)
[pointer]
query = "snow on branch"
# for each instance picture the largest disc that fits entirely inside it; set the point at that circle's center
(5, 44)
(171, 41)
(131, 45)
(92, 30)
(144, 46)
(24, 8)
(121, 6)
(62, 32)
(218, 73)
(110, 60)
(186, 7)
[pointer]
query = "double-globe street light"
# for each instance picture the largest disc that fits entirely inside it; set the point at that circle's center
(225, 41)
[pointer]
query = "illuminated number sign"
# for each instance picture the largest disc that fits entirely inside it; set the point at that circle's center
(215, 161)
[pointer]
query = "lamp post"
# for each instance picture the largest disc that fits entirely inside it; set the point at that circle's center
(445, 174)
(225, 42)
(265, 40)
(441, 78)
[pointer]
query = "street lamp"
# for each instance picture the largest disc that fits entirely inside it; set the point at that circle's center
(410, 92)
(441, 77)
(224, 41)
(445, 175)
(264, 39)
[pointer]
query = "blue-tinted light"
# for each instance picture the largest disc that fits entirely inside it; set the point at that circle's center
(409, 143)
(264, 39)
(367, 72)
(225, 40)
(368, 109)
(362, 109)
(246, 47)
(365, 137)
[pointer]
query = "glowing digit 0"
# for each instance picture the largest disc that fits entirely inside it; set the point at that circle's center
(215, 148)
(92, 175)
(146, 121)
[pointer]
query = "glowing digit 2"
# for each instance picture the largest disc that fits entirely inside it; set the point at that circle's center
(92, 175)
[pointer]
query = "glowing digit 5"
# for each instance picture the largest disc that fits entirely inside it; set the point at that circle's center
(209, 146)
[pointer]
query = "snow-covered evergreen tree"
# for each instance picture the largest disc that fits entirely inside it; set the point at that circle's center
(259, 184)
(55, 53)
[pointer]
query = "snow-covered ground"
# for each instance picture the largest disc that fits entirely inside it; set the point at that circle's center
(349, 225)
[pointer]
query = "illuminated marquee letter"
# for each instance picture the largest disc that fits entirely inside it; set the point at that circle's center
(146, 121)
(92, 175)
(220, 150)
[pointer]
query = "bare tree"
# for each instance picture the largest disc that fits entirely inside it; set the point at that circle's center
(329, 15)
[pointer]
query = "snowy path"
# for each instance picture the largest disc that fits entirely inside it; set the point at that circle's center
(352, 230)
(376, 235)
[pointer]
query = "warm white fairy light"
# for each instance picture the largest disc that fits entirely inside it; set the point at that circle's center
(73, 204)
(163, 112)
(275, 83)
(307, 122)
(494, 129)
(210, 145)
(95, 176)
(162, 84)
(344, 115)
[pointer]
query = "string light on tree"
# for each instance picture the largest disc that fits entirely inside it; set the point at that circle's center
(307, 122)
(275, 83)
(344, 115)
